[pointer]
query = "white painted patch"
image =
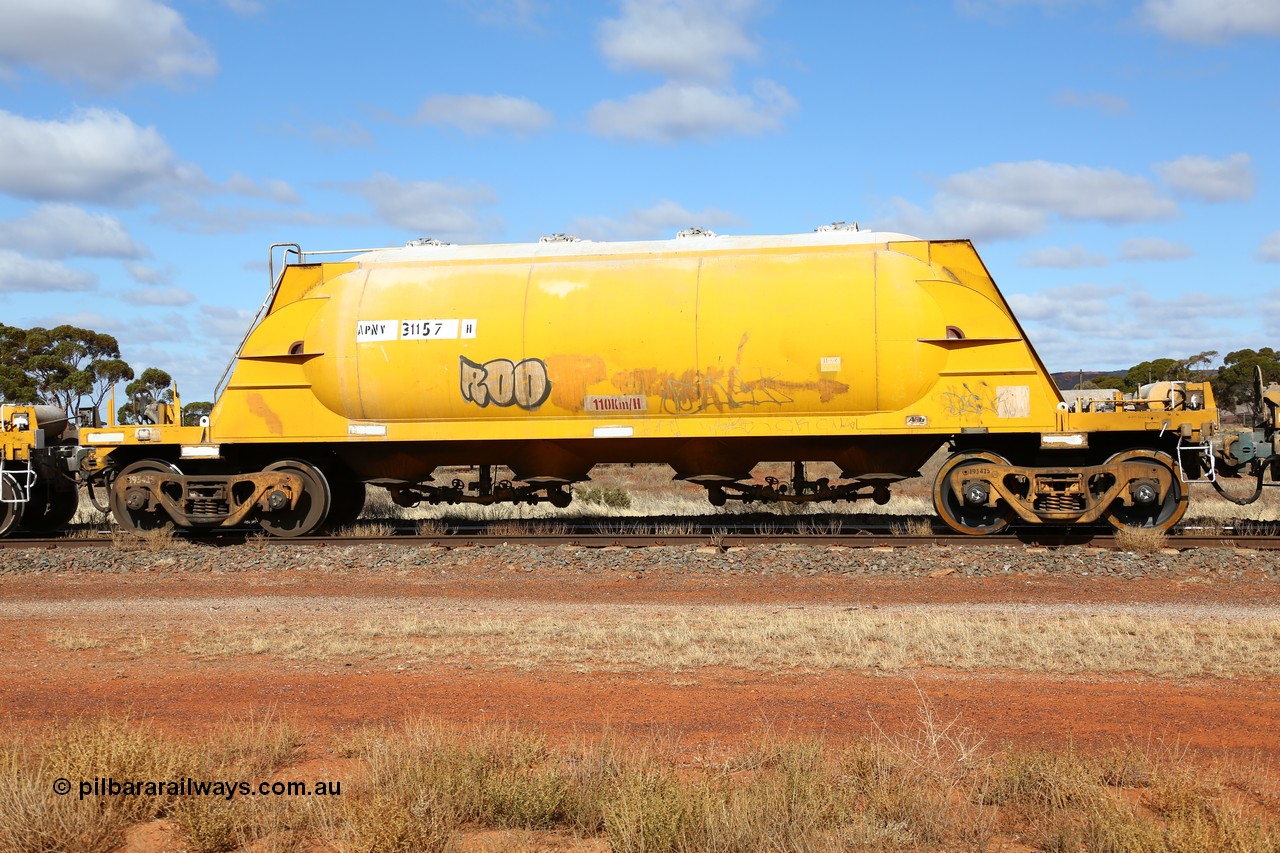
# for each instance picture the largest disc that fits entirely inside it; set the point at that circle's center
(560, 288)
(377, 330)
(1013, 401)
(429, 330)
(830, 364)
(201, 451)
(613, 432)
(615, 403)
(1063, 439)
(366, 429)
(446, 329)
(106, 438)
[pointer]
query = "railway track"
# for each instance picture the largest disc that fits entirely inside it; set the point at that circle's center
(720, 539)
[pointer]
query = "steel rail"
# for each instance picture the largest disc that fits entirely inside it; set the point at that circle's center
(718, 541)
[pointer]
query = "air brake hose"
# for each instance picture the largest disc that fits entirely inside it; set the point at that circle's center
(93, 498)
(1241, 501)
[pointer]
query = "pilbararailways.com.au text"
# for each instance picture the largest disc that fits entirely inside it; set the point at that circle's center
(227, 789)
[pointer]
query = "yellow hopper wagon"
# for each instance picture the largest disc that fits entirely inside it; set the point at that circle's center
(37, 492)
(869, 350)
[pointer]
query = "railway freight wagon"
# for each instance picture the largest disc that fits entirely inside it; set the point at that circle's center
(711, 354)
(37, 493)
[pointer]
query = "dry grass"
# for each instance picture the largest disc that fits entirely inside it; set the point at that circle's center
(160, 539)
(368, 530)
(683, 638)
(34, 819)
(635, 491)
(1206, 506)
(432, 527)
(930, 786)
(1141, 540)
(74, 642)
(912, 527)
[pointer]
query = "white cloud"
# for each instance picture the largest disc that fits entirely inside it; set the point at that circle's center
(189, 213)
(329, 137)
(428, 208)
(105, 43)
(64, 231)
(225, 325)
(158, 295)
(1007, 200)
(144, 329)
(97, 155)
(955, 217)
(994, 8)
(1107, 104)
(1269, 249)
(84, 320)
(479, 114)
(20, 274)
(662, 220)
(272, 189)
(1211, 21)
(505, 13)
(1078, 307)
(680, 39)
(1211, 180)
(677, 111)
(144, 274)
(245, 8)
(1071, 192)
(1106, 327)
(1075, 257)
(1153, 249)
(1183, 312)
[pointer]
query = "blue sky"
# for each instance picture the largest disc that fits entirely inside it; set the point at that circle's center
(1117, 164)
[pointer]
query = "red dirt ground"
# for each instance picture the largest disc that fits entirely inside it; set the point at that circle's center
(41, 684)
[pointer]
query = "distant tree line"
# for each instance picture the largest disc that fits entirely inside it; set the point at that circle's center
(1232, 383)
(74, 368)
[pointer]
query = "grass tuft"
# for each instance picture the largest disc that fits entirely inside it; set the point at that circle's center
(612, 497)
(1141, 540)
(160, 539)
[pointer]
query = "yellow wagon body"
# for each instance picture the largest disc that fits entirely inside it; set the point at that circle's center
(867, 349)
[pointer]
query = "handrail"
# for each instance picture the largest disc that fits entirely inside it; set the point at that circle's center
(271, 259)
(290, 249)
(262, 309)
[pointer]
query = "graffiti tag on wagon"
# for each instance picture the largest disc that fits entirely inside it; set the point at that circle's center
(502, 382)
(968, 402)
(721, 389)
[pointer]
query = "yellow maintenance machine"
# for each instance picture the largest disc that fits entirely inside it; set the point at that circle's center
(870, 350)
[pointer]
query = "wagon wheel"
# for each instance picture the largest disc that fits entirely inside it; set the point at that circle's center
(1151, 514)
(136, 518)
(10, 511)
(346, 500)
(313, 504)
(961, 513)
(52, 505)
